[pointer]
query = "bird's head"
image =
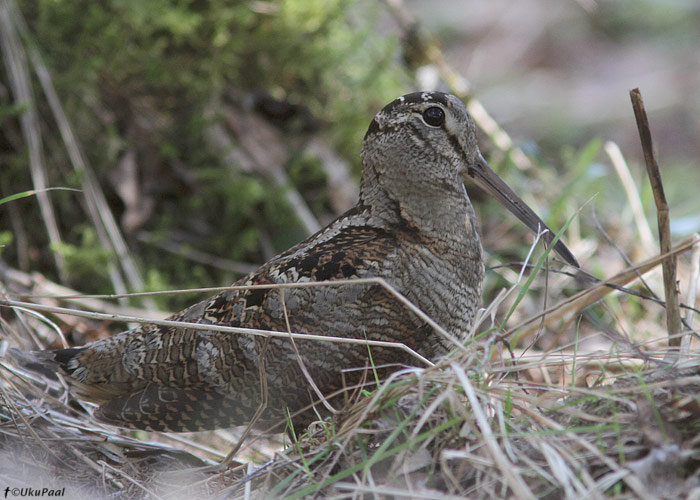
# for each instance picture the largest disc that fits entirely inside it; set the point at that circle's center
(417, 152)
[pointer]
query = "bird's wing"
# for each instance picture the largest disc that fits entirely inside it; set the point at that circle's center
(148, 375)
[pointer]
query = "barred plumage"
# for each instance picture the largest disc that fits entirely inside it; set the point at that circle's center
(414, 226)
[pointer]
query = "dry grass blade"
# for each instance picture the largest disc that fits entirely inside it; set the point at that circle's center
(18, 73)
(341, 282)
(103, 220)
(669, 264)
(623, 172)
(509, 473)
(514, 480)
(300, 360)
(692, 293)
(211, 328)
(362, 281)
(570, 307)
(43, 288)
(583, 441)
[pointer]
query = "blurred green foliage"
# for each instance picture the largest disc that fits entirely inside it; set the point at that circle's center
(326, 55)
(86, 260)
(142, 74)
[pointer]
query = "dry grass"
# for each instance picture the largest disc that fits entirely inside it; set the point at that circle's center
(484, 423)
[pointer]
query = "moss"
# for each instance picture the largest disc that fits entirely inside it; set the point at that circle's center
(137, 76)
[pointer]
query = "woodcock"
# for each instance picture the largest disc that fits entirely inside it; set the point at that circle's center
(413, 226)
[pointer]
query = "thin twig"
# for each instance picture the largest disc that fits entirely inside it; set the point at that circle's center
(673, 313)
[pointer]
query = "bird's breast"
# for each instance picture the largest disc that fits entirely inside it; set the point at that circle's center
(443, 279)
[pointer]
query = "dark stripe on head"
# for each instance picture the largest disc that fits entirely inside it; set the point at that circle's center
(373, 128)
(413, 98)
(416, 98)
(454, 142)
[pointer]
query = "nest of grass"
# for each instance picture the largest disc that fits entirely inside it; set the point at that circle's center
(486, 422)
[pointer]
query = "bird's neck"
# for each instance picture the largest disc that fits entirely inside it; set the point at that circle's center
(438, 209)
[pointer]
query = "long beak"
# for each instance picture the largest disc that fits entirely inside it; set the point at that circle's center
(484, 176)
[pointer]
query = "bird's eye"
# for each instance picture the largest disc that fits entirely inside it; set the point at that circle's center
(434, 116)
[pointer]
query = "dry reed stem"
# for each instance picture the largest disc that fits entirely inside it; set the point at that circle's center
(669, 264)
